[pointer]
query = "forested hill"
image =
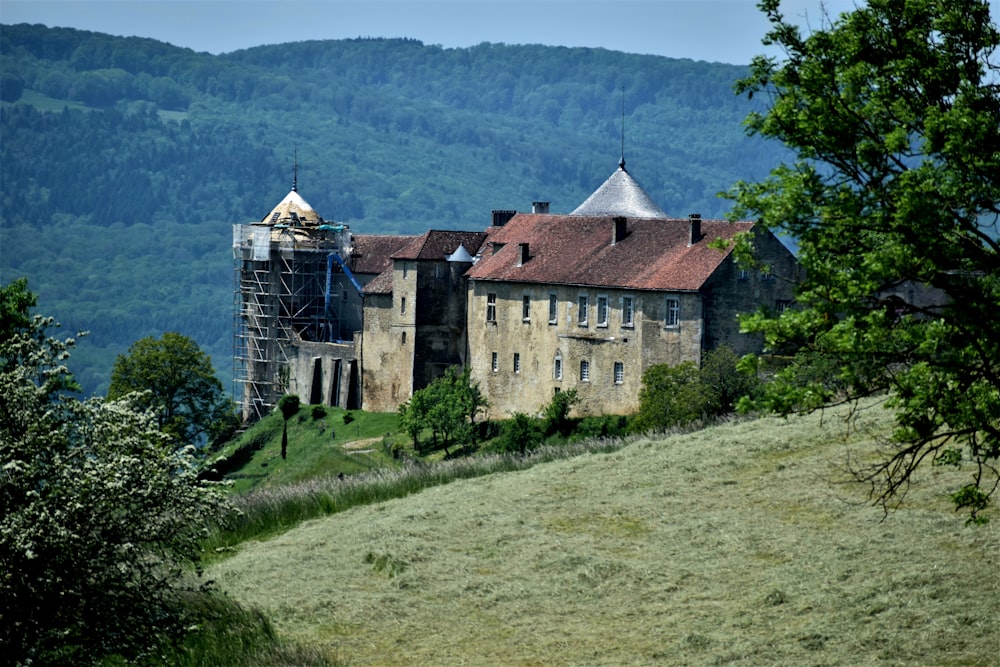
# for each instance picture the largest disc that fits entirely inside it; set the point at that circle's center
(124, 161)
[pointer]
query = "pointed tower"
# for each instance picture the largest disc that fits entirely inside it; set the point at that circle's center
(620, 196)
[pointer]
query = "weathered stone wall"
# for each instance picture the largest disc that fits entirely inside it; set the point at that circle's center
(440, 339)
(387, 343)
(320, 372)
(731, 291)
(539, 342)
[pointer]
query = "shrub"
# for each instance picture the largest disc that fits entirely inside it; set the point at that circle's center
(519, 434)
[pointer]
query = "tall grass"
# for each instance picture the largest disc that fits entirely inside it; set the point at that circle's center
(227, 634)
(745, 544)
(272, 510)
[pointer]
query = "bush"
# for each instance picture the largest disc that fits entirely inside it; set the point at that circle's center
(101, 515)
(520, 434)
(556, 413)
(682, 394)
(318, 412)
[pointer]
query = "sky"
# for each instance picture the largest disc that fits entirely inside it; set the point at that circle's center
(727, 31)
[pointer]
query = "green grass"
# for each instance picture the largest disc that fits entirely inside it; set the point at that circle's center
(742, 544)
(316, 448)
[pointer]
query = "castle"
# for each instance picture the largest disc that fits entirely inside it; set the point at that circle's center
(534, 304)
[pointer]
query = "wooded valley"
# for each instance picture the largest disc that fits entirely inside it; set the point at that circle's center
(125, 161)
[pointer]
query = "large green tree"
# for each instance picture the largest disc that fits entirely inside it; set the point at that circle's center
(100, 520)
(177, 381)
(893, 113)
(447, 407)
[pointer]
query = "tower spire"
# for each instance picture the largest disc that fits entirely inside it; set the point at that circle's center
(622, 162)
(295, 171)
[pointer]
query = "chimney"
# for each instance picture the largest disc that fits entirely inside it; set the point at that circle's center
(619, 230)
(694, 221)
(522, 254)
(502, 217)
(539, 207)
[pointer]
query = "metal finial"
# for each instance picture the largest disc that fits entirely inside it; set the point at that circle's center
(621, 164)
(295, 171)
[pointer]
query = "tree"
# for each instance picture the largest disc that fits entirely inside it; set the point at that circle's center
(447, 406)
(893, 113)
(289, 407)
(100, 521)
(556, 413)
(670, 396)
(519, 434)
(725, 385)
(177, 381)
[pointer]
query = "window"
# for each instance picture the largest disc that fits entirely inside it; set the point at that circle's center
(495, 364)
(491, 307)
(584, 371)
(402, 338)
(517, 362)
(743, 275)
(765, 273)
(602, 311)
(526, 307)
(437, 269)
(406, 270)
(673, 317)
(781, 305)
(628, 312)
(553, 309)
(581, 315)
(619, 372)
(402, 306)
(557, 368)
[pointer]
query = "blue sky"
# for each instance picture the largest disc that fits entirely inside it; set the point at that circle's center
(714, 30)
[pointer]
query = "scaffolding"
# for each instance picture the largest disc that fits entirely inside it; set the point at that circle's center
(287, 288)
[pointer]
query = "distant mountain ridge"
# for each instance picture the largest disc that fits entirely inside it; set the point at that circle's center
(124, 161)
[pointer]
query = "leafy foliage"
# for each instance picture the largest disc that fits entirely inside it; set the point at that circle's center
(682, 394)
(670, 396)
(447, 407)
(893, 111)
(176, 381)
(100, 515)
(556, 412)
(520, 434)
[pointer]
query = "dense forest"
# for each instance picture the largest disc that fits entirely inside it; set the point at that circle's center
(125, 161)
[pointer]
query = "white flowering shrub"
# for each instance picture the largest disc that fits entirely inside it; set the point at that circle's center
(100, 518)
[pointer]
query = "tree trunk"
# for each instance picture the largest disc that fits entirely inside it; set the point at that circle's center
(284, 440)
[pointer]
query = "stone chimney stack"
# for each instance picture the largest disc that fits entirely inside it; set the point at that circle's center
(694, 221)
(619, 230)
(501, 217)
(539, 207)
(522, 254)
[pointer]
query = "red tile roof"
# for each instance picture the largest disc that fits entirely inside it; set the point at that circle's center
(577, 250)
(431, 245)
(372, 253)
(438, 244)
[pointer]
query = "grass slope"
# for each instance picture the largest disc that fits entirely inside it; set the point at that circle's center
(317, 447)
(742, 544)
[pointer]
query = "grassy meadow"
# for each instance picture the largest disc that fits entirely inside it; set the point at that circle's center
(741, 544)
(317, 446)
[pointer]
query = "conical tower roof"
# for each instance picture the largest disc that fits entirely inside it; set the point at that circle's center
(620, 195)
(293, 210)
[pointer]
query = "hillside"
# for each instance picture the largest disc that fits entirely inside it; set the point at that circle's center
(742, 544)
(125, 161)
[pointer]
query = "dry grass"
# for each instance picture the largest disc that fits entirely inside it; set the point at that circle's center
(742, 544)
